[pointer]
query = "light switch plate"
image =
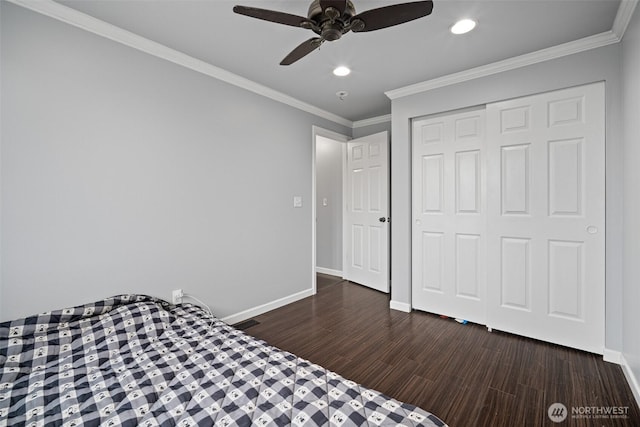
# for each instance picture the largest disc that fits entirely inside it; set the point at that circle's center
(297, 201)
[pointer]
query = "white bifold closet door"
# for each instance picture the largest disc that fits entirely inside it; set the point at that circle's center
(546, 252)
(508, 230)
(449, 221)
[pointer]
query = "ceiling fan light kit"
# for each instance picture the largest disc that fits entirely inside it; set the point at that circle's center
(331, 19)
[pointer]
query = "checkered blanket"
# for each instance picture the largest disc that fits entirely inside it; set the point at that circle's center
(136, 360)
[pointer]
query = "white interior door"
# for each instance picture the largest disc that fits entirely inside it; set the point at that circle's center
(449, 215)
(546, 223)
(366, 224)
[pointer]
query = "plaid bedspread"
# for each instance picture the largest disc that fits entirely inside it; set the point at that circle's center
(136, 360)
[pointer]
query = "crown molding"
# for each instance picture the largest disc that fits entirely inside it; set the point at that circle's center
(587, 43)
(625, 12)
(615, 35)
(101, 28)
(88, 23)
(372, 121)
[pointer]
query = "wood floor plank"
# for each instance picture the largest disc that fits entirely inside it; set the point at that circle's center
(462, 373)
(497, 409)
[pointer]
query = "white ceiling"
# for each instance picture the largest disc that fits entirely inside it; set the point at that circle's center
(383, 60)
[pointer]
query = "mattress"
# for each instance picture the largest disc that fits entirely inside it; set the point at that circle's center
(136, 360)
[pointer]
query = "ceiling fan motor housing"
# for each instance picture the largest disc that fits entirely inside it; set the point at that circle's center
(331, 22)
(332, 31)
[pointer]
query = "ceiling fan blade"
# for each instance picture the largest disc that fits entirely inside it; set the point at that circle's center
(340, 5)
(270, 15)
(388, 16)
(302, 50)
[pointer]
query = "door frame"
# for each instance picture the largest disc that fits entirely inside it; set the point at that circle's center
(336, 136)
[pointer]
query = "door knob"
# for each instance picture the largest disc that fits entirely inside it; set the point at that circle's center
(382, 219)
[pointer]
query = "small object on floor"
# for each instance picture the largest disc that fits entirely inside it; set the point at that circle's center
(442, 316)
(464, 322)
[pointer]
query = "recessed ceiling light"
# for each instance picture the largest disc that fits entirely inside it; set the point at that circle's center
(341, 71)
(463, 26)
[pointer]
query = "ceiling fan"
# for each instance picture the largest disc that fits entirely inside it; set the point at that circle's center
(330, 19)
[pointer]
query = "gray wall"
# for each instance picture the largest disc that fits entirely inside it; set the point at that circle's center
(329, 155)
(631, 291)
(125, 173)
(586, 67)
(371, 129)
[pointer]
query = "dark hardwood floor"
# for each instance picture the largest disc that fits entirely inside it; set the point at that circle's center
(462, 373)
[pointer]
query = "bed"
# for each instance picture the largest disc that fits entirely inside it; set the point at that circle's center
(136, 360)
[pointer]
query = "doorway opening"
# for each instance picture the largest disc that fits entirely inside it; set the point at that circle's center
(329, 152)
(351, 208)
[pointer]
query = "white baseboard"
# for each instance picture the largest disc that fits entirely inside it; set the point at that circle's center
(329, 271)
(256, 311)
(631, 379)
(612, 356)
(400, 306)
(618, 358)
